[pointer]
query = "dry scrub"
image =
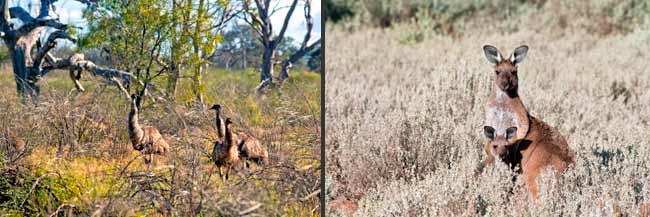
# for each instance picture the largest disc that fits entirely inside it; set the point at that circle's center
(79, 159)
(404, 122)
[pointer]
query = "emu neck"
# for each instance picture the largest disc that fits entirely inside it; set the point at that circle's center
(135, 131)
(229, 137)
(220, 128)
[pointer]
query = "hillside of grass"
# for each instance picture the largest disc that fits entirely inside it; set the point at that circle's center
(79, 160)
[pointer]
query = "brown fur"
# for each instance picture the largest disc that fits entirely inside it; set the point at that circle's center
(504, 108)
(343, 207)
(16, 141)
(225, 152)
(542, 147)
(536, 145)
(145, 139)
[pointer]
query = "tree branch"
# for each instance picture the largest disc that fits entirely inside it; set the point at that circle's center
(21, 14)
(285, 24)
(5, 19)
(28, 27)
(46, 9)
(27, 42)
(286, 65)
(49, 44)
(304, 49)
(77, 62)
(43, 19)
(6, 15)
(263, 18)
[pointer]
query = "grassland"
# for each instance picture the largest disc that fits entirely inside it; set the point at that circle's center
(79, 161)
(404, 117)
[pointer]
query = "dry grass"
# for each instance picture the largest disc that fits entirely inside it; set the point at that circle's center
(404, 121)
(79, 160)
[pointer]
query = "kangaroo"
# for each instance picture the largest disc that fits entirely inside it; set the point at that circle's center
(225, 153)
(527, 144)
(504, 108)
(542, 147)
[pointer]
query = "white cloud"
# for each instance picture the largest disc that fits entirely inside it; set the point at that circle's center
(297, 26)
(70, 12)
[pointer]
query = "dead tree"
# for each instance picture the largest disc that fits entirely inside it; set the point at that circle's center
(31, 58)
(304, 47)
(260, 21)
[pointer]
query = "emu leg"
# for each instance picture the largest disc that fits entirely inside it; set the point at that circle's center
(227, 172)
(221, 174)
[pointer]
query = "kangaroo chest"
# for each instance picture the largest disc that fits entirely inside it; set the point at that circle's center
(503, 112)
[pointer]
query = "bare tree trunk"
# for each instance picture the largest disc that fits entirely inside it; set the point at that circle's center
(260, 21)
(267, 65)
(20, 72)
(26, 77)
(197, 86)
(172, 80)
(174, 71)
(304, 49)
(243, 48)
(227, 63)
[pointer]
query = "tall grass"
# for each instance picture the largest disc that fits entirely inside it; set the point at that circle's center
(458, 17)
(79, 160)
(404, 121)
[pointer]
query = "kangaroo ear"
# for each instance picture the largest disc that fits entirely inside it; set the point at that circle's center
(492, 54)
(510, 132)
(519, 54)
(488, 132)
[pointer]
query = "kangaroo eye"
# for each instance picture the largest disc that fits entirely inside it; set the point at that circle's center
(497, 72)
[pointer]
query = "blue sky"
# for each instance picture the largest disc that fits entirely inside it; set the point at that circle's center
(70, 11)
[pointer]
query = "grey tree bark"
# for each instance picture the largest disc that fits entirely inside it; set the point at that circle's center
(260, 21)
(28, 68)
(304, 48)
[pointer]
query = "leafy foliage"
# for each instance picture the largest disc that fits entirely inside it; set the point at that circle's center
(129, 32)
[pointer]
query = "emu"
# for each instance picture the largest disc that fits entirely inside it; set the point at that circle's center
(225, 152)
(221, 130)
(251, 149)
(248, 146)
(145, 139)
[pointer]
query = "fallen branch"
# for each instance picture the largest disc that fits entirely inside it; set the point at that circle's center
(310, 195)
(60, 207)
(250, 210)
(34, 186)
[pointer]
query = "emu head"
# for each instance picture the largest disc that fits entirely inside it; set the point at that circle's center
(500, 142)
(134, 99)
(216, 107)
(505, 69)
